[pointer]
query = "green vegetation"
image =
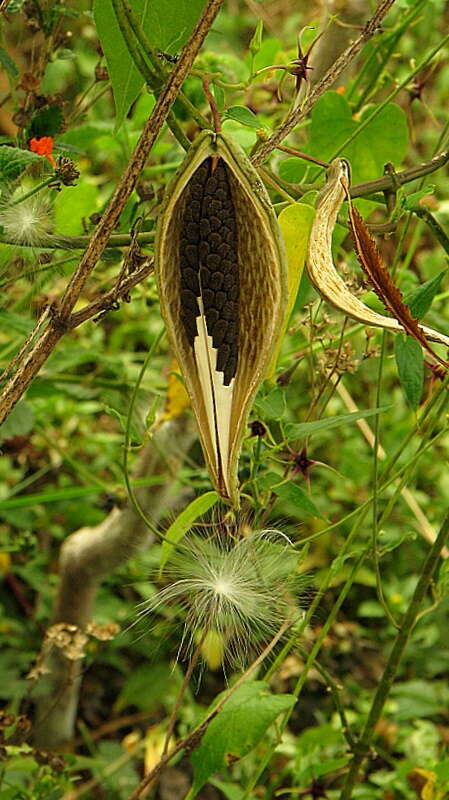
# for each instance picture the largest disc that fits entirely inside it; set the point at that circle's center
(150, 633)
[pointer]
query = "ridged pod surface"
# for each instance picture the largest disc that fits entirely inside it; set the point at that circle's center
(221, 274)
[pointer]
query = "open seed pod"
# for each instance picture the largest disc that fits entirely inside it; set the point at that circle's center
(222, 284)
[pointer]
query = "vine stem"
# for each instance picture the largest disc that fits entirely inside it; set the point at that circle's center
(402, 637)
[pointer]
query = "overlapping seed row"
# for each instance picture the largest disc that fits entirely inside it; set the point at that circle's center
(208, 263)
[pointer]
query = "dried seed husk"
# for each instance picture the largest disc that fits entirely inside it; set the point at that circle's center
(221, 399)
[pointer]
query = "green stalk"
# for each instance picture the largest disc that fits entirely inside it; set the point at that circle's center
(402, 637)
(309, 663)
(151, 52)
(35, 190)
(147, 73)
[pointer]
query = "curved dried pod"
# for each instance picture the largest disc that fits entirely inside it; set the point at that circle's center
(221, 273)
(320, 265)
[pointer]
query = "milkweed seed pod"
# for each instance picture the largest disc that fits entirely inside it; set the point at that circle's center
(221, 273)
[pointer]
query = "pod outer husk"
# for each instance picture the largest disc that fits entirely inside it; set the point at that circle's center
(262, 275)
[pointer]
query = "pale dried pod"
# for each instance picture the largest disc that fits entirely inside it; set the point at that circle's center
(220, 267)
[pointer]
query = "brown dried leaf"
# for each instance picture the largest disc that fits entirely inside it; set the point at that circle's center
(381, 281)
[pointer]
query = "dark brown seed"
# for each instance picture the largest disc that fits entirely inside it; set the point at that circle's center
(219, 332)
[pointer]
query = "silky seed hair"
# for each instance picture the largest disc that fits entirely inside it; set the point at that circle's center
(241, 589)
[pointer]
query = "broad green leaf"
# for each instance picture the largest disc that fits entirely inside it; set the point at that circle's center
(295, 223)
(290, 492)
(14, 161)
(272, 406)
(422, 298)
(410, 363)
(167, 25)
(384, 139)
(19, 422)
(148, 685)
(237, 729)
(269, 50)
(298, 430)
(72, 204)
(184, 522)
(8, 64)
(244, 116)
(292, 169)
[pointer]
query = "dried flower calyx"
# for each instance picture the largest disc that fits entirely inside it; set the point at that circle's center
(222, 282)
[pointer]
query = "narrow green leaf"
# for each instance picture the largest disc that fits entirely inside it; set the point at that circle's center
(410, 363)
(237, 729)
(410, 201)
(243, 115)
(184, 522)
(422, 298)
(8, 64)
(256, 40)
(298, 430)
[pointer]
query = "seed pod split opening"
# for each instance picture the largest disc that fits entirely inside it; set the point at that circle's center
(222, 284)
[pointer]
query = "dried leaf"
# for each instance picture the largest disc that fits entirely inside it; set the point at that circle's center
(381, 281)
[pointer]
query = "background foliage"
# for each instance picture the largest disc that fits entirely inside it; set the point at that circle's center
(359, 521)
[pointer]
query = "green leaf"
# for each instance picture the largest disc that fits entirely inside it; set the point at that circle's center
(47, 122)
(167, 25)
(295, 223)
(15, 5)
(292, 170)
(230, 790)
(184, 522)
(410, 363)
(243, 115)
(290, 492)
(384, 139)
(8, 64)
(237, 729)
(14, 161)
(72, 204)
(272, 406)
(19, 422)
(298, 430)
(422, 298)
(410, 201)
(147, 686)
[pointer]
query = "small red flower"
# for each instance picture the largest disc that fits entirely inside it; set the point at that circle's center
(43, 146)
